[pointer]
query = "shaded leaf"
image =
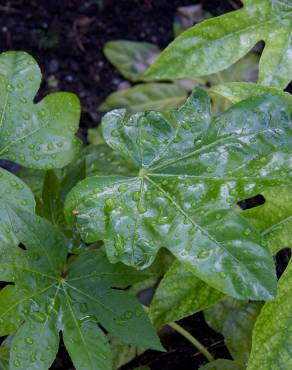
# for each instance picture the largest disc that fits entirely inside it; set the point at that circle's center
(235, 321)
(94, 136)
(155, 96)
(216, 43)
(180, 294)
(38, 135)
(190, 173)
(4, 357)
(222, 364)
(271, 343)
(131, 58)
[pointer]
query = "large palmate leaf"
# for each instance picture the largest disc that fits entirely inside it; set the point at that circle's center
(131, 58)
(216, 43)
(51, 294)
(271, 343)
(274, 218)
(34, 135)
(190, 172)
(155, 96)
(180, 294)
(235, 321)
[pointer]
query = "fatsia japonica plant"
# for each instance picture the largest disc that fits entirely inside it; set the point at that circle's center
(83, 230)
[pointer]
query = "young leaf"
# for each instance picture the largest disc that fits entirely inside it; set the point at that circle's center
(155, 96)
(271, 343)
(274, 218)
(51, 294)
(237, 91)
(216, 43)
(34, 135)
(191, 171)
(131, 58)
(180, 294)
(235, 321)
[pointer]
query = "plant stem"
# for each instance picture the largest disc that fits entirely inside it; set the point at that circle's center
(193, 340)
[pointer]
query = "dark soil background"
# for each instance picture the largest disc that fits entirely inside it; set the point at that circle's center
(66, 37)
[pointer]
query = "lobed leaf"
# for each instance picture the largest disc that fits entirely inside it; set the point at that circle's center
(216, 43)
(190, 173)
(38, 135)
(52, 294)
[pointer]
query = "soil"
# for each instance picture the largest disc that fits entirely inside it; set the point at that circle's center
(66, 37)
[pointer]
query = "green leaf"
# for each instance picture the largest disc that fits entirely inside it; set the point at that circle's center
(94, 136)
(155, 96)
(216, 43)
(4, 357)
(52, 294)
(235, 321)
(123, 353)
(131, 58)
(14, 193)
(190, 173)
(180, 294)
(237, 91)
(34, 135)
(271, 343)
(221, 364)
(274, 218)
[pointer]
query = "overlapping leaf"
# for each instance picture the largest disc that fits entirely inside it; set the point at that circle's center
(51, 294)
(155, 96)
(235, 321)
(191, 171)
(274, 218)
(180, 294)
(222, 364)
(34, 135)
(271, 344)
(131, 58)
(216, 43)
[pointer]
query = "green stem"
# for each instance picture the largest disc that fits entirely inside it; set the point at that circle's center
(193, 340)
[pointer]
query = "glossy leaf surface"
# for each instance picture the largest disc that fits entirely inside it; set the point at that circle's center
(38, 135)
(271, 343)
(51, 294)
(131, 58)
(237, 91)
(180, 294)
(216, 43)
(191, 171)
(235, 321)
(154, 96)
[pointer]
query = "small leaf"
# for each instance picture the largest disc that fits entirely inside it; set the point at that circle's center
(94, 136)
(271, 343)
(4, 357)
(38, 135)
(190, 173)
(180, 294)
(235, 321)
(216, 43)
(222, 364)
(131, 58)
(155, 96)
